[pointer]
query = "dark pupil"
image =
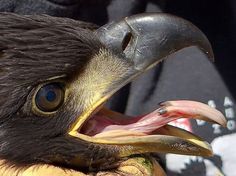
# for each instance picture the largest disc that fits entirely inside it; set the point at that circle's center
(51, 96)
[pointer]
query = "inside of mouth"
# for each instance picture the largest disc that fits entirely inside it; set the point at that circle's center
(108, 123)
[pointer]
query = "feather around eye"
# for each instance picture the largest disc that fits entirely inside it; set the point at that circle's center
(50, 97)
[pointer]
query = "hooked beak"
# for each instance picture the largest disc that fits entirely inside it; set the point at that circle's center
(146, 39)
(143, 41)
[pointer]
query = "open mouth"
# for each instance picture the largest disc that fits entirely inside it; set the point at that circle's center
(154, 37)
(110, 124)
(110, 127)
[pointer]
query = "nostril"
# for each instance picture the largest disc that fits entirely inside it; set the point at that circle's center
(126, 41)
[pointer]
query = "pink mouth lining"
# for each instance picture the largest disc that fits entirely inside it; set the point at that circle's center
(146, 124)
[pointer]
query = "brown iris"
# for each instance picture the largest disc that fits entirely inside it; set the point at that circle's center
(50, 97)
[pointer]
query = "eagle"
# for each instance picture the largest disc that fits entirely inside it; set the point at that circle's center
(56, 75)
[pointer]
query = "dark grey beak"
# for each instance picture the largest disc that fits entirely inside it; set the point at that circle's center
(146, 39)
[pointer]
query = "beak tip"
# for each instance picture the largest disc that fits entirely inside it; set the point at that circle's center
(208, 51)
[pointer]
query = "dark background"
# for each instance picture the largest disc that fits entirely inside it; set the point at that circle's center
(217, 19)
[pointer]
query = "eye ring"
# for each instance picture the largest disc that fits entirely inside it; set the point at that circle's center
(49, 97)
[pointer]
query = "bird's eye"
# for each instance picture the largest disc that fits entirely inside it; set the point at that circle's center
(50, 97)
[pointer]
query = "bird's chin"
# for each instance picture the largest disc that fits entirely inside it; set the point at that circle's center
(150, 132)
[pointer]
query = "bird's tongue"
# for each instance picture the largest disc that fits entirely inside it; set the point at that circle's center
(107, 123)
